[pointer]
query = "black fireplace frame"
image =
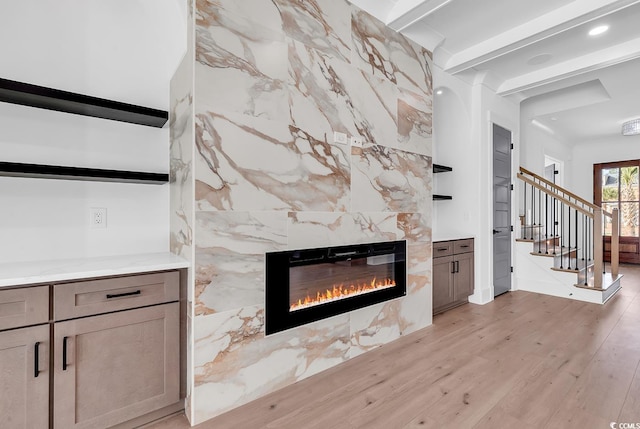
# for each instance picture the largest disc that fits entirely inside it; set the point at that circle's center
(278, 316)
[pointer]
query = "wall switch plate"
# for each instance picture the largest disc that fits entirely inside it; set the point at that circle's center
(98, 217)
(340, 138)
(356, 141)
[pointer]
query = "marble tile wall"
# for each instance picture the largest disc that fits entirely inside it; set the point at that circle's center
(272, 81)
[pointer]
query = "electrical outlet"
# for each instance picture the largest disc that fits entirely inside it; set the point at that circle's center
(356, 141)
(98, 217)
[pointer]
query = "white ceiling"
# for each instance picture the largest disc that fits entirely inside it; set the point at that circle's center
(579, 87)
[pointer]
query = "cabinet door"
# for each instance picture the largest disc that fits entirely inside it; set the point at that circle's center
(112, 368)
(24, 378)
(463, 278)
(442, 282)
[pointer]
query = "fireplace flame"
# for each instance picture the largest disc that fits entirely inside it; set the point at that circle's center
(341, 291)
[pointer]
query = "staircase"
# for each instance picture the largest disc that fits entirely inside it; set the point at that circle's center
(562, 243)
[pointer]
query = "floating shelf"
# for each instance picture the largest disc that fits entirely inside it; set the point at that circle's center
(70, 102)
(40, 171)
(441, 168)
(441, 197)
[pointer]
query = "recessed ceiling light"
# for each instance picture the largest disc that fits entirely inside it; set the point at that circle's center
(598, 30)
(439, 92)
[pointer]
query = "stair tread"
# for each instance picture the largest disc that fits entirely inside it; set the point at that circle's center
(549, 251)
(607, 282)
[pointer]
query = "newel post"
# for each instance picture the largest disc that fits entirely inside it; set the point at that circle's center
(598, 256)
(615, 243)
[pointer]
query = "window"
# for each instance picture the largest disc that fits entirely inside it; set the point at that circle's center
(616, 186)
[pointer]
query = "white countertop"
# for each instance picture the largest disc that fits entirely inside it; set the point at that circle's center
(31, 272)
(449, 236)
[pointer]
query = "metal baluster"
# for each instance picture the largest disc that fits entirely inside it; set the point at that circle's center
(533, 211)
(590, 239)
(525, 211)
(584, 240)
(546, 224)
(561, 236)
(585, 253)
(553, 225)
(569, 267)
(577, 240)
(540, 220)
(604, 235)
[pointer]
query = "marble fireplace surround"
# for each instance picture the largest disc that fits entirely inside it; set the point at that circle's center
(254, 169)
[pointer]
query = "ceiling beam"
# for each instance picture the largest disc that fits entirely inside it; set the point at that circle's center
(610, 56)
(564, 18)
(408, 12)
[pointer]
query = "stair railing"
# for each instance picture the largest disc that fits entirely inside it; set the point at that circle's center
(571, 221)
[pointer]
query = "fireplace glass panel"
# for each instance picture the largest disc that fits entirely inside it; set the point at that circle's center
(317, 284)
(306, 285)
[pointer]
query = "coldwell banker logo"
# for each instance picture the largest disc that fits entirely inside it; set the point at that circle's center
(615, 425)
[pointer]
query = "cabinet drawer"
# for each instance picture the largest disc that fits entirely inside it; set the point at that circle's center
(463, 246)
(106, 295)
(442, 248)
(24, 306)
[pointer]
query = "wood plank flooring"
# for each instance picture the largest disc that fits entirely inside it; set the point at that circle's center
(523, 361)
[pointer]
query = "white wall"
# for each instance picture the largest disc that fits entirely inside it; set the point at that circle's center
(453, 146)
(598, 151)
(463, 139)
(121, 50)
(536, 142)
(49, 219)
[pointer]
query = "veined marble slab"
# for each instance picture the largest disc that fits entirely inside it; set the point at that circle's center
(33, 272)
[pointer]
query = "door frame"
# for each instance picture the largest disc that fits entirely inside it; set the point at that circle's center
(625, 241)
(510, 220)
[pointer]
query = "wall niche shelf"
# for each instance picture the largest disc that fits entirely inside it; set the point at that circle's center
(441, 169)
(41, 171)
(63, 101)
(441, 197)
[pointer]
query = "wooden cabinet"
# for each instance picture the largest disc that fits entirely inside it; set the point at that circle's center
(114, 353)
(24, 358)
(453, 273)
(114, 367)
(24, 378)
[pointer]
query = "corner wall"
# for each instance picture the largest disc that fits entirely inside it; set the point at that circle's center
(463, 139)
(273, 81)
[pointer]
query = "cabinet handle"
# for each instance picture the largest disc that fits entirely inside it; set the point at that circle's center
(36, 359)
(120, 295)
(457, 266)
(464, 246)
(64, 353)
(453, 267)
(442, 249)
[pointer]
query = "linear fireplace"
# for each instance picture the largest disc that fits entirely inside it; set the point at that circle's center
(306, 285)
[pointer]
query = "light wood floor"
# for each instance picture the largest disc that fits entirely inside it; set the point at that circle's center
(524, 361)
